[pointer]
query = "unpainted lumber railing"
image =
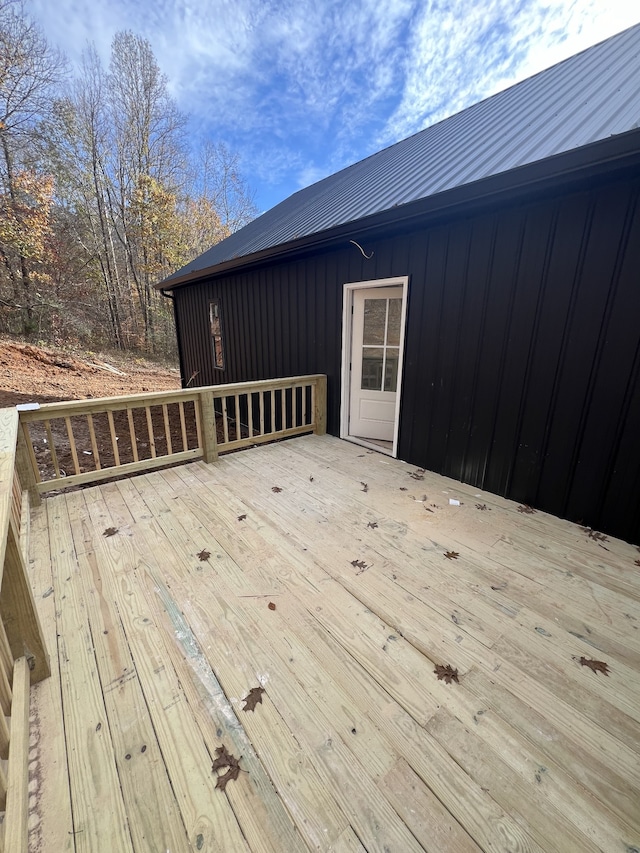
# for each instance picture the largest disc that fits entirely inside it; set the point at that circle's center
(23, 654)
(85, 441)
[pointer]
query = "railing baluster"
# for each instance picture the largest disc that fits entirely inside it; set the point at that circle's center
(94, 443)
(152, 438)
(132, 433)
(196, 409)
(250, 413)
(261, 400)
(114, 437)
(304, 404)
(167, 430)
(273, 410)
(294, 406)
(52, 448)
(238, 432)
(225, 421)
(72, 445)
(283, 398)
(183, 426)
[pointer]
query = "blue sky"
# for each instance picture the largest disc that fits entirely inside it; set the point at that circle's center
(302, 88)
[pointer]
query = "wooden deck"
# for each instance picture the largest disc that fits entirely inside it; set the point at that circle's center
(356, 745)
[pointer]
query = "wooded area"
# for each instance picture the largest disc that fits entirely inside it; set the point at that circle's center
(102, 192)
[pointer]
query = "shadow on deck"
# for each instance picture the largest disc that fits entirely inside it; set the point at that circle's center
(340, 582)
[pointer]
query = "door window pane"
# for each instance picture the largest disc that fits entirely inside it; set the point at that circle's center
(375, 311)
(391, 369)
(393, 325)
(372, 364)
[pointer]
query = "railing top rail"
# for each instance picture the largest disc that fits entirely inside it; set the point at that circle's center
(8, 439)
(154, 398)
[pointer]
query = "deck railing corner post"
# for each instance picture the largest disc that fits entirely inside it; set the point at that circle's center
(24, 467)
(208, 421)
(320, 407)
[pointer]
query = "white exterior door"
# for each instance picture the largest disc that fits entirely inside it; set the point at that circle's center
(375, 362)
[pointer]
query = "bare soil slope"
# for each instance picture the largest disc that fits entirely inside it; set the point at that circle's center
(35, 374)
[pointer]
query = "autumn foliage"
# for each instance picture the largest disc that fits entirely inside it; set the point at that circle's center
(102, 192)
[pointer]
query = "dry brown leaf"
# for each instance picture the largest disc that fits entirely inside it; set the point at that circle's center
(276, 489)
(225, 759)
(446, 673)
(231, 774)
(365, 486)
(451, 555)
(526, 509)
(110, 531)
(372, 525)
(599, 537)
(203, 556)
(242, 517)
(595, 665)
(271, 606)
(253, 698)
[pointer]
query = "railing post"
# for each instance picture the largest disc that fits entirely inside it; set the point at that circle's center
(320, 408)
(25, 470)
(208, 421)
(19, 614)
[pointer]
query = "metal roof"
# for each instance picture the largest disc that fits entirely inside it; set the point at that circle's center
(586, 98)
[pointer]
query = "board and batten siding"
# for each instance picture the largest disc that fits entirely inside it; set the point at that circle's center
(522, 360)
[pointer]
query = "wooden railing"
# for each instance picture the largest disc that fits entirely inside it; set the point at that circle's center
(84, 441)
(23, 655)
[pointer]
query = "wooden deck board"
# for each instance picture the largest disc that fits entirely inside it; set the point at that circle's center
(356, 744)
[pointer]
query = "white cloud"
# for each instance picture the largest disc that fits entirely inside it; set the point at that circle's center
(461, 54)
(304, 87)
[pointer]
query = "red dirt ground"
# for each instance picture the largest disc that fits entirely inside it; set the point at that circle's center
(42, 375)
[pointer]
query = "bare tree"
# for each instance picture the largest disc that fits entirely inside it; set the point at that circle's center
(218, 179)
(30, 72)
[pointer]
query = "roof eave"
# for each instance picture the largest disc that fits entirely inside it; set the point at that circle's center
(620, 151)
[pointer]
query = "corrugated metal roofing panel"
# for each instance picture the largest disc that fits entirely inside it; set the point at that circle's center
(584, 99)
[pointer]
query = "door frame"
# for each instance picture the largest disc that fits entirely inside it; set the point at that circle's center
(347, 338)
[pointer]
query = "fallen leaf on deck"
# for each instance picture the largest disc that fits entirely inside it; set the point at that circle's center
(203, 556)
(593, 534)
(253, 698)
(637, 562)
(231, 774)
(374, 524)
(242, 517)
(361, 565)
(451, 555)
(225, 759)
(483, 507)
(526, 509)
(271, 606)
(365, 487)
(403, 488)
(110, 531)
(595, 665)
(276, 489)
(417, 475)
(446, 673)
